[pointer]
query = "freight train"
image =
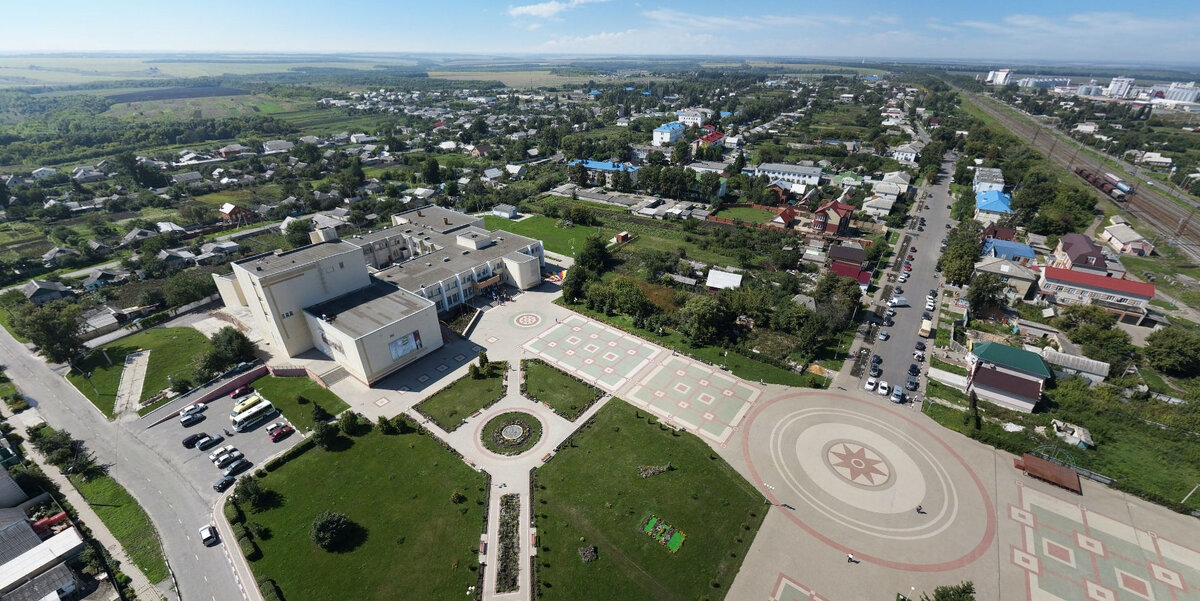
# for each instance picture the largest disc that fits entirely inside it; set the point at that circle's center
(1106, 183)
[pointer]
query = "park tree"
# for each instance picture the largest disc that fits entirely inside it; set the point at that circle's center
(352, 423)
(578, 174)
(324, 435)
(1073, 317)
(297, 232)
(574, 284)
(957, 592)
(594, 255)
(431, 171)
(986, 292)
(329, 529)
(681, 153)
(186, 287)
(53, 327)
(703, 318)
(230, 346)
(249, 492)
(837, 298)
(1174, 350)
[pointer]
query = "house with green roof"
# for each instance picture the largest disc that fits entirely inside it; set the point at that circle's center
(1006, 375)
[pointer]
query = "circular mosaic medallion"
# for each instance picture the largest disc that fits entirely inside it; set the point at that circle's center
(513, 432)
(857, 463)
(527, 320)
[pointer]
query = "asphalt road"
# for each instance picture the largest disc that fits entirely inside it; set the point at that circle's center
(925, 247)
(177, 506)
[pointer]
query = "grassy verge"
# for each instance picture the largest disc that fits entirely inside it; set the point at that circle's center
(741, 366)
(561, 240)
(947, 393)
(412, 536)
(5, 318)
(285, 392)
(567, 396)
(591, 493)
(127, 521)
(950, 367)
(450, 406)
(746, 214)
(172, 353)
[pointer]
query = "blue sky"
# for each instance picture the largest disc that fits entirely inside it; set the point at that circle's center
(1104, 30)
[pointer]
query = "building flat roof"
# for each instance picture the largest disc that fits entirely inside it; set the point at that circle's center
(275, 262)
(439, 219)
(450, 259)
(368, 309)
(785, 168)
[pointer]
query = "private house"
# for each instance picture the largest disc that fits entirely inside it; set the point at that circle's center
(505, 210)
(850, 256)
(40, 292)
(833, 217)
(1066, 365)
(669, 133)
(1019, 278)
(34, 555)
(515, 171)
(232, 150)
(722, 280)
(104, 277)
(1007, 376)
(136, 236)
(1127, 298)
(849, 271)
(43, 172)
(1077, 252)
(991, 206)
(906, 154)
(189, 178)
(999, 233)
(987, 178)
(481, 150)
(878, 206)
(373, 323)
(785, 218)
(1003, 249)
(796, 174)
(223, 248)
(805, 301)
(715, 138)
(492, 174)
(176, 257)
(52, 257)
(605, 173)
(234, 214)
(277, 146)
(1125, 240)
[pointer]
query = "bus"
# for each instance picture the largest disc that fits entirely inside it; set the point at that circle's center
(253, 417)
(245, 404)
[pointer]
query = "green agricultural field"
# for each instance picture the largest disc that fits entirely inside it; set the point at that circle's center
(451, 405)
(208, 107)
(746, 214)
(556, 239)
(566, 395)
(398, 489)
(173, 351)
(283, 392)
(591, 493)
(127, 521)
(521, 79)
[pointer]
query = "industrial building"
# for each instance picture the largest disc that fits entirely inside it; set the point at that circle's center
(371, 302)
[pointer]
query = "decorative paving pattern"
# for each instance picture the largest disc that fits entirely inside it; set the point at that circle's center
(695, 396)
(787, 589)
(527, 320)
(593, 352)
(383, 401)
(863, 470)
(1071, 552)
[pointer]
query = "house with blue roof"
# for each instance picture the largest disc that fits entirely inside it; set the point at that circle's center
(668, 133)
(991, 205)
(604, 172)
(1013, 251)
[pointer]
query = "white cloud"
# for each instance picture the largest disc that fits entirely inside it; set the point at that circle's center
(546, 10)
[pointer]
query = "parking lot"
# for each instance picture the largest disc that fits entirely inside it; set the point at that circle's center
(194, 464)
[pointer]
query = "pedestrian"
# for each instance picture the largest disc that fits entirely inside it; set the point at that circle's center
(849, 558)
(919, 510)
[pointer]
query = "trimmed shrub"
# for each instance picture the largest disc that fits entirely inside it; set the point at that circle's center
(249, 549)
(270, 591)
(233, 513)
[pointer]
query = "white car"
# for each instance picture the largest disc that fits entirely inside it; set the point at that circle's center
(870, 385)
(918, 355)
(225, 460)
(930, 307)
(883, 335)
(208, 535)
(903, 278)
(884, 388)
(194, 408)
(221, 451)
(890, 312)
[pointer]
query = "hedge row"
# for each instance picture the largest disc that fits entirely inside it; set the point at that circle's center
(233, 513)
(270, 591)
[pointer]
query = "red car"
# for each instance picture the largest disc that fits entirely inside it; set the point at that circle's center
(241, 391)
(280, 433)
(908, 268)
(910, 257)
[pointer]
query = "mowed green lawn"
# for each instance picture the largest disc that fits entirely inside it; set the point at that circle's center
(418, 544)
(747, 214)
(591, 494)
(566, 395)
(561, 240)
(282, 393)
(127, 521)
(449, 406)
(173, 351)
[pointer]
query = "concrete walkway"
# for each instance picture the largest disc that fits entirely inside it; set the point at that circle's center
(129, 391)
(138, 582)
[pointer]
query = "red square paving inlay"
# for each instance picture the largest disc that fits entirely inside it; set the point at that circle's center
(382, 402)
(1059, 552)
(1133, 584)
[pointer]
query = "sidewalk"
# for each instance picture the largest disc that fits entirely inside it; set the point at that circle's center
(138, 582)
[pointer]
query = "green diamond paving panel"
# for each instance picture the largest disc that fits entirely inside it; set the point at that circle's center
(694, 396)
(593, 352)
(1071, 552)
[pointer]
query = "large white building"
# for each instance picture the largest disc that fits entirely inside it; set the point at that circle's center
(1119, 87)
(1000, 77)
(1182, 92)
(693, 117)
(796, 174)
(668, 133)
(371, 302)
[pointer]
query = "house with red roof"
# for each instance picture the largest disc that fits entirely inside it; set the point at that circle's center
(833, 217)
(714, 138)
(849, 271)
(785, 217)
(1127, 298)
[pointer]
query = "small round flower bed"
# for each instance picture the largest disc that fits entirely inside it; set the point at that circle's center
(511, 433)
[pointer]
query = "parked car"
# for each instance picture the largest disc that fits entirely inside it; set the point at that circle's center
(876, 359)
(920, 345)
(913, 370)
(237, 467)
(193, 408)
(919, 356)
(897, 395)
(932, 293)
(903, 278)
(870, 384)
(208, 535)
(280, 433)
(191, 441)
(907, 267)
(883, 335)
(929, 306)
(227, 459)
(209, 442)
(884, 388)
(241, 391)
(913, 383)
(890, 311)
(875, 371)
(191, 419)
(897, 290)
(221, 451)
(223, 483)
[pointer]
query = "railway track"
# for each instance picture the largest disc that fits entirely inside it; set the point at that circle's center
(1171, 221)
